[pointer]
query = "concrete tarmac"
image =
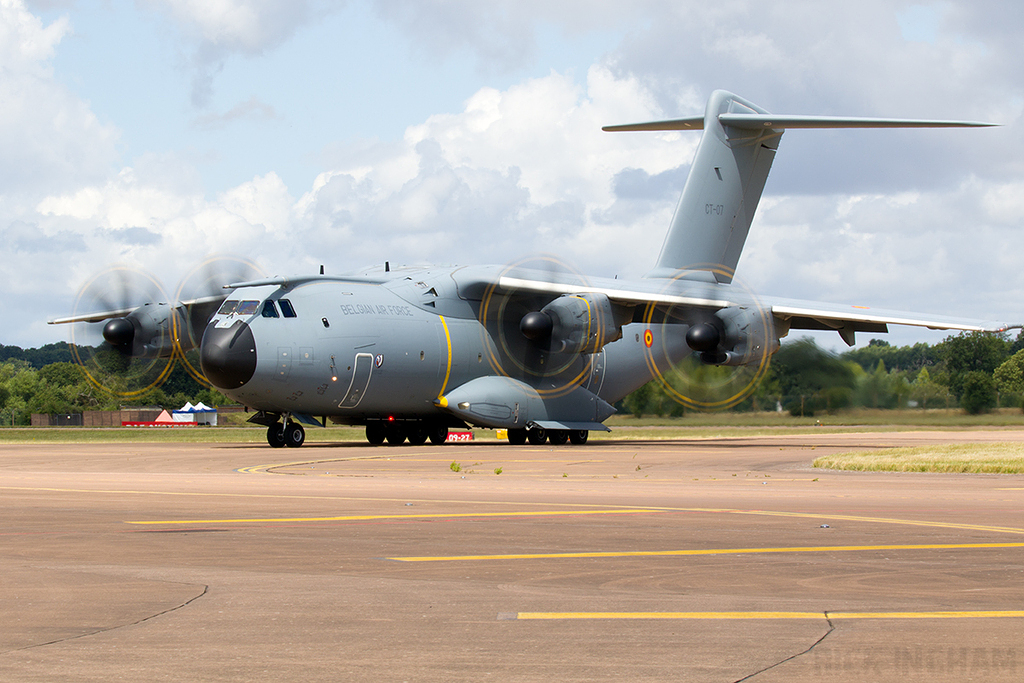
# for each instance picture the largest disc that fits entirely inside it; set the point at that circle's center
(697, 560)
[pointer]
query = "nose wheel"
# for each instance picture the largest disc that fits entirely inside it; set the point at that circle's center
(291, 434)
(275, 435)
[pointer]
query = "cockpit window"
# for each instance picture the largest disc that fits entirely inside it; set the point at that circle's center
(286, 308)
(269, 309)
(247, 307)
(228, 307)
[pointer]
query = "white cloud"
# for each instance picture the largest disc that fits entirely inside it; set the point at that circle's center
(219, 29)
(47, 135)
(904, 219)
(520, 171)
(527, 169)
(247, 26)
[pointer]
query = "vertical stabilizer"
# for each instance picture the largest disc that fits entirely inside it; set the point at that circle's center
(728, 175)
(721, 193)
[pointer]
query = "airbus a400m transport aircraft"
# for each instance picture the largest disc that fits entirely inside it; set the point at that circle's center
(540, 351)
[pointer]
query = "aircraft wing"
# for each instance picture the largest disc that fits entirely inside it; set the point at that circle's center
(94, 317)
(99, 316)
(617, 294)
(846, 320)
(789, 314)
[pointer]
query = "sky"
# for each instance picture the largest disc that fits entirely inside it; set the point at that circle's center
(154, 134)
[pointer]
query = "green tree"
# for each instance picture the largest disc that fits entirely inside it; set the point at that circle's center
(979, 392)
(905, 358)
(1009, 376)
(803, 371)
(638, 402)
(972, 352)
(923, 389)
(876, 387)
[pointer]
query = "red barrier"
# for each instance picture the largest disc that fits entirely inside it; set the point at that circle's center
(158, 424)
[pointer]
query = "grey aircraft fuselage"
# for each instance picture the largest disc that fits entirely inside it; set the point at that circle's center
(394, 346)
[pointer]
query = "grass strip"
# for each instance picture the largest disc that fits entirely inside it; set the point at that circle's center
(973, 458)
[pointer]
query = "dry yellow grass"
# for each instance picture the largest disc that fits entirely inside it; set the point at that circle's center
(977, 458)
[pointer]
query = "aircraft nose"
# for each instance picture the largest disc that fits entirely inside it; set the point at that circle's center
(228, 355)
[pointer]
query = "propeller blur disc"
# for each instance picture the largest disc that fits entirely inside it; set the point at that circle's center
(201, 284)
(692, 382)
(517, 336)
(104, 348)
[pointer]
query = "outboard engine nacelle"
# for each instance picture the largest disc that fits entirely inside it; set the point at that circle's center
(737, 335)
(574, 323)
(146, 332)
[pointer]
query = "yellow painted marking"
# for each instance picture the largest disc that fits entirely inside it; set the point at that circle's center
(486, 459)
(448, 370)
(881, 520)
(352, 518)
(985, 614)
(707, 551)
(602, 507)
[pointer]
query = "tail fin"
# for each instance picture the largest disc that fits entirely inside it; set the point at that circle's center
(727, 177)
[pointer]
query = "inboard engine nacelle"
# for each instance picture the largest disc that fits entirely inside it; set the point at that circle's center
(574, 323)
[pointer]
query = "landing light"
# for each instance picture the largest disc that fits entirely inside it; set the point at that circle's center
(464, 405)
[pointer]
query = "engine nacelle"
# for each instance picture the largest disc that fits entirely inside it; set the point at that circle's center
(146, 332)
(579, 323)
(737, 335)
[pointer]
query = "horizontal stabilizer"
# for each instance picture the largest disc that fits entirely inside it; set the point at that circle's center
(783, 121)
(691, 123)
(760, 121)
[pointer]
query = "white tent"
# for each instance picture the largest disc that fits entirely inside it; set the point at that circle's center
(199, 413)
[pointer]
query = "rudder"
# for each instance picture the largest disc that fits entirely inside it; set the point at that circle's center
(721, 193)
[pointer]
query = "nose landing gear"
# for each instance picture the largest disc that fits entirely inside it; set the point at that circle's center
(288, 433)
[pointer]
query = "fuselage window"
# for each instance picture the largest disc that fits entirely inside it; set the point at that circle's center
(269, 309)
(228, 307)
(247, 307)
(286, 308)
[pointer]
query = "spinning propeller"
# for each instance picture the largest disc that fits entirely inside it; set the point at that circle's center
(127, 334)
(731, 349)
(534, 337)
(546, 324)
(118, 337)
(201, 293)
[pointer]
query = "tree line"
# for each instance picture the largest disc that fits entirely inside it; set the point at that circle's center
(46, 380)
(974, 371)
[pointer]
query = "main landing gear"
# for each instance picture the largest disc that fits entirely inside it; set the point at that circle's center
(289, 434)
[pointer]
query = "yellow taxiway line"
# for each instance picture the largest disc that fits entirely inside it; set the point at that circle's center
(822, 616)
(361, 518)
(704, 551)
